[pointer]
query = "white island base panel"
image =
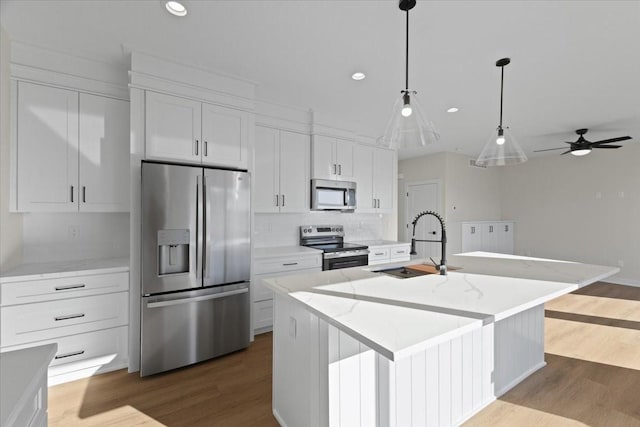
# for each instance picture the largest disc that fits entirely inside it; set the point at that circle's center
(322, 376)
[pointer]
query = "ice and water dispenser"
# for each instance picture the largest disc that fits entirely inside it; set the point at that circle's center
(173, 252)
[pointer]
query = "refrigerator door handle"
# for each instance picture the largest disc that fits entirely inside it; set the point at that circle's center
(196, 299)
(198, 226)
(205, 232)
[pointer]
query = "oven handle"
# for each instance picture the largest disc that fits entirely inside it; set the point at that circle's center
(346, 264)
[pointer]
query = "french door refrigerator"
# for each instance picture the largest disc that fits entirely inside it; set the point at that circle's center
(195, 265)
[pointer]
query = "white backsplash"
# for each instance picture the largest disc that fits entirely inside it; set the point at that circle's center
(51, 237)
(284, 229)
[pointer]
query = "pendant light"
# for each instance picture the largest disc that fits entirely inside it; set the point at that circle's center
(408, 126)
(502, 148)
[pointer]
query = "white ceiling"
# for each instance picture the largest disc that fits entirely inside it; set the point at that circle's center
(574, 63)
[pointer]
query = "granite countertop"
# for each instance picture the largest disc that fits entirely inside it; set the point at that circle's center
(280, 251)
(53, 270)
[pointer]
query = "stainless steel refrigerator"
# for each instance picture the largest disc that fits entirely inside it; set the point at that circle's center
(195, 265)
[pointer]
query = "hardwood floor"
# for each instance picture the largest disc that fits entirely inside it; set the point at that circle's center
(592, 378)
(233, 390)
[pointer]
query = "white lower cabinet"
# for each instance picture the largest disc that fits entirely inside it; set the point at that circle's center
(488, 236)
(383, 254)
(87, 316)
(276, 266)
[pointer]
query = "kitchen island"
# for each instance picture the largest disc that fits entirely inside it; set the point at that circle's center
(355, 348)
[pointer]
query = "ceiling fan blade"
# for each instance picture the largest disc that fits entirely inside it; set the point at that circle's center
(566, 152)
(549, 149)
(606, 146)
(607, 141)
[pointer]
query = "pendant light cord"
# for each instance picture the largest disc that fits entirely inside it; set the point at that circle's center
(407, 56)
(501, 91)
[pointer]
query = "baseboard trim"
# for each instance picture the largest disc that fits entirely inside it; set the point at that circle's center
(520, 378)
(278, 418)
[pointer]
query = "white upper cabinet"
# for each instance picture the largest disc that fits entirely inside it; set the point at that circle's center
(104, 154)
(47, 149)
(72, 151)
(172, 128)
(332, 158)
(384, 166)
(281, 171)
(374, 171)
(181, 129)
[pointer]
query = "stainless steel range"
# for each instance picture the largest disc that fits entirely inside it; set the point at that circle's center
(335, 252)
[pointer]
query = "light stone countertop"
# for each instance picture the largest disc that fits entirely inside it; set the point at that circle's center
(375, 243)
(472, 292)
(378, 325)
(282, 251)
(20, 371)
(53, 270)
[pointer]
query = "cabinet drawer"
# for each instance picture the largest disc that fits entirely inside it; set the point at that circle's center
(262, 314)
(276, 265)
(378, 254)
(67, 287)
(400, 251)
(45, 320)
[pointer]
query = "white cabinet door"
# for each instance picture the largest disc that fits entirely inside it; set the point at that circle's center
(323, 157)
(224, 136)
(47, 170)
(344, 159)
(266, 192)
(363, 176)
(490, 237)
(172, 128)
(383, 178)
(104, 154)
(294, 172)
(471, 237)
(505, 237)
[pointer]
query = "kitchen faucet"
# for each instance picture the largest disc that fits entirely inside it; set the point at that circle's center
(443, 240)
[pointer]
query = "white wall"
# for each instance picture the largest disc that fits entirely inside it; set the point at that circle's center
(10, 223)
(583, 209)
(49, 237)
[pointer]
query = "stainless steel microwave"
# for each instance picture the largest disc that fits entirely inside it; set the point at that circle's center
(333, 195)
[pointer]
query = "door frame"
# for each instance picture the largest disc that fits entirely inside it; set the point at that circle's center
(439, 201)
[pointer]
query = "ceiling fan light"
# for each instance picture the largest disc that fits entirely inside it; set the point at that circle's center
(581, 152)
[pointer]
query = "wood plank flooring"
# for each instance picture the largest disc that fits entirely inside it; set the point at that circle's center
(592, 378)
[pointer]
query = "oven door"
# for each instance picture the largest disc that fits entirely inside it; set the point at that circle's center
(344, 262)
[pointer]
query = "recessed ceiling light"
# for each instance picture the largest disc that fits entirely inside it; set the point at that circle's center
(358, 76)
(452, 110)
(176, 8)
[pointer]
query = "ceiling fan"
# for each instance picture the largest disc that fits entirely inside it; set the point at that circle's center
(582, 146)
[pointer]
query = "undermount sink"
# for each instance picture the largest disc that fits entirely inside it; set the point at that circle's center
(403, 272)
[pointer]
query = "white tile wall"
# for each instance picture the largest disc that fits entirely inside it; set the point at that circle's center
(284, 229)
(50, 237)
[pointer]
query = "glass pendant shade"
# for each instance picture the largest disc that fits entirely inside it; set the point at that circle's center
(408, 126)
(501, 149)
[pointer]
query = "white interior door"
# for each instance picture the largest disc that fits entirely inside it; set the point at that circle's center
(422, 197)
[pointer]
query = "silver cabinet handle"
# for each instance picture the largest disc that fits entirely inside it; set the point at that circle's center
(491, 229)
(335, 169)
(506, 228)
(196, 299)
(84, 194)
(206, 149)
(277, 200)
(339, 169)
(68, 316)
(289, 263)
(74, 353)
(473, 230)
(374, 203)
(72, 194)
(67, 287)
(283, 200)
(197, 143)
(379, 253)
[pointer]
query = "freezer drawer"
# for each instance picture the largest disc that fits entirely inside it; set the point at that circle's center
(182, 328)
